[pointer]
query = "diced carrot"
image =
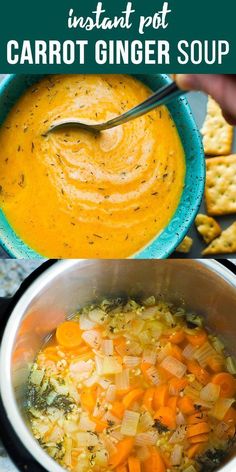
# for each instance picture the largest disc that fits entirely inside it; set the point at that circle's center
(216, 363)
(164, 373)
(166, 460)
(177, 337)
(202, 438)
(123, 450)
(230, 416)
(227, 384)
(177, 385)
(161, 396)
(176, 352)
(144, 367)
(134, 464)
(68, 334)
(155, 462)
(122, 393)
(198, 337)
(118, 409)
(201, 374)
(51, 353)
(186, 405)
(197, 429)
(166, 416)
(148, 398)
(100, 425)
(231, 432)
(197, 417)
(132, 396)
(88, 399)
(194, 451)
(122, 468)
(172, 403)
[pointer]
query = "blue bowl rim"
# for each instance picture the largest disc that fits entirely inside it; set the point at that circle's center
(25, 252)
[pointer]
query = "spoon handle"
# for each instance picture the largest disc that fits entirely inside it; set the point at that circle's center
(161, 97)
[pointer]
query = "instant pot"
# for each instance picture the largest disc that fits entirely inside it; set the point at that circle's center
(58, 288)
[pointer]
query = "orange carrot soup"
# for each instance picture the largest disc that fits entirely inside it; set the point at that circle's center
(133, 387)
(74, 194)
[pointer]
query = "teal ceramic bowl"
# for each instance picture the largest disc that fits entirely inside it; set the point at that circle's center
(165, 242)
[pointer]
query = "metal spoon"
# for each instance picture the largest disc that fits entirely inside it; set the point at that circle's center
(161, 97)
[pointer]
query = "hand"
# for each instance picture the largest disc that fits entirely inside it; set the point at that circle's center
(221, 87)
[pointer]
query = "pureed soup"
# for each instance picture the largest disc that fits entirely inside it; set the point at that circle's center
(133, 387)
(75, 194)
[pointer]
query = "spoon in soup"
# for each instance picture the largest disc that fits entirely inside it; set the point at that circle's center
(163, 96)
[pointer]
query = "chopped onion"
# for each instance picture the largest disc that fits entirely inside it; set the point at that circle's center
(150, 356)
(137, 326)
(146, 421)
(97, 315)
(180, 419)
(221, 429)
(122, 380)
(203, 353)
(174, 366)
(111, 366)
(91, 381)
(85, 323)
(104, 383)
(188, 352)
(129, 423)
(36, 376)
(107, 347)
(153, 375)
(131, 361)
(210, 392)
(92, 338)
(149, 312)
(86, 439)
(231, 365)
(221, 407)
(68, 449)
(190, 469)
(164, 352)
(176, 455)
(109, 445)
(85, 424)
(150, 301)
(146, 439)
(99, 365)
(135, 349)
(144, 337)
(110, 418)
(179, 435)
(111, 393)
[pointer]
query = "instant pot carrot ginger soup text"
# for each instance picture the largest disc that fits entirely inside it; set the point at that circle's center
(133, 387)
(75, 194)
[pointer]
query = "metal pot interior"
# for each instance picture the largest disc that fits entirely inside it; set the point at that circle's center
(202, 286)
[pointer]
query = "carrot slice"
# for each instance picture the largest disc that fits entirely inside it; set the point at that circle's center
(88, 399)
(198, 417)
(123, 450)
(172, 403)
(68, 334)
(194, 450)
(202, 438)
(177, 337)
(161, 396)
(166, 416)
(144, 367)
(186, 405)
(134, 464)
(132, 396)
(227, 384)
(155, 462)
(122, 468)
(100, 425)
(176, 352)
(201, 374)
(198, 337)
(177, 385)
(215, 363)
(148, 398)
(197, 429)
(118, 410)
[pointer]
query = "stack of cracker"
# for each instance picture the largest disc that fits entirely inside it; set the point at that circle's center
(220, 190)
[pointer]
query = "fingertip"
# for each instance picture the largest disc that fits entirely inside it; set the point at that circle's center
(186, 81)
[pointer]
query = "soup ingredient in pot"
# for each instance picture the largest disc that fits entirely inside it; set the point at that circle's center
(133, 387)
(75, 194)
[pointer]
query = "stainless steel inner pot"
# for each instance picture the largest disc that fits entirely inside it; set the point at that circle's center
(204, 286)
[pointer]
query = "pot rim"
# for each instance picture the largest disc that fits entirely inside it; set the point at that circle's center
(6, 387)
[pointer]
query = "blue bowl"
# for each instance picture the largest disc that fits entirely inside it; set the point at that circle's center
(165, 242)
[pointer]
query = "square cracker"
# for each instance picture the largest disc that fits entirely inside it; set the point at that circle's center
(207, 227)
(185, 245)
(220, 190)
(217, 133)
(225, 243)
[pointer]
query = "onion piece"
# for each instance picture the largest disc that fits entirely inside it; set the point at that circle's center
(150, 356)
(221, 407)
(179, 435)
(174, 366)
(176, 455)
(85, 424)
(107, 347)
(122, 380)
(146, 439)
(86, 439)
(92, 338)
(210, 393)
(85, 323)
(203, 353)
(180, 419)
(129, 423)
(97, 316)
(188, 352)
(131, 361)
(111, 366)
(153, 375)
(111, 393)
(146, 421)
